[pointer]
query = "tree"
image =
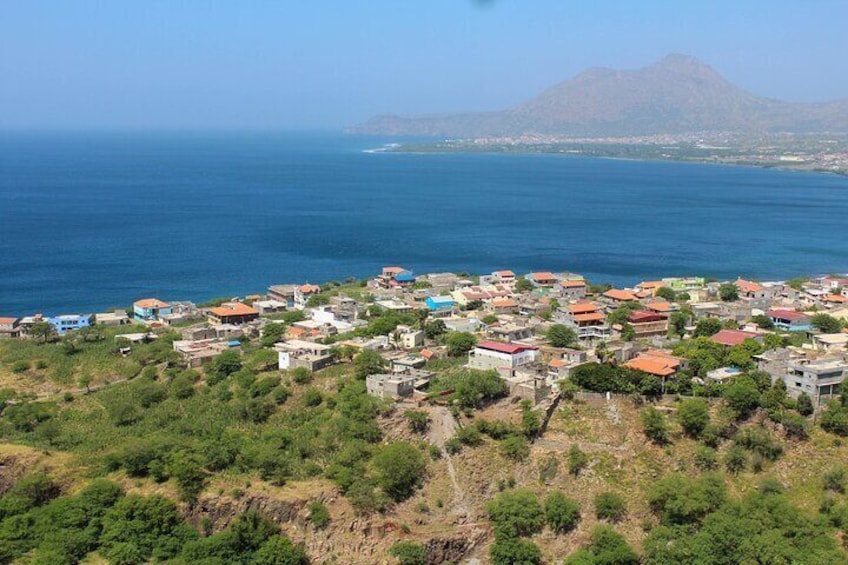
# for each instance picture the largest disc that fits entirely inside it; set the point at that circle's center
(728, 292)
(434, 329)
(368, 362)
(610, 506)
(188, 470)
(419, 420)
(707, 327)
(679, 500)
(826, 323)
(561, 513)
(409, 553)
(514, 551)
(606, 547)
(678, 322)
(400, 469)
(224, 365)
(272, 333)
(804, 404)
(694, 415)
(742, 396)
(735, 459)
(516, 513)
(515, 447)
(43, 331)
(654, 425)
(763, 321)
(561, 336)
(523, 285)
(279, 550)
(577, 460)
(665, 293)
(459, 343)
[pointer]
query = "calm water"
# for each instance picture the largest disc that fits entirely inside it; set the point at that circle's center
(98, 220)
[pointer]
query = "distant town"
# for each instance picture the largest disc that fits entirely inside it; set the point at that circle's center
(533, 329)
(798, 152)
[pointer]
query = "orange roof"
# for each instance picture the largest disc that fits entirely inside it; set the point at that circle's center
(621, 295)
(504, 273)
(8, 320)
(659, 306)
(393, 270)
(835, 298)
(659, 365)
(590, 317)
(309, 288)
(542, 276)
(651, 284)
(582, 307)
(426, 353)
(504, 303)
(233, 309)
(557, 363)
(151, 303)
(748, 286)
(572, 284)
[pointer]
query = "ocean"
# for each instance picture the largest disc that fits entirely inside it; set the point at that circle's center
(90, 221)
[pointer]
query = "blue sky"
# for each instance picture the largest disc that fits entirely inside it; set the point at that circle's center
(325, 64)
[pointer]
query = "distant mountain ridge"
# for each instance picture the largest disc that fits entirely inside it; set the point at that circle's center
(679, 94)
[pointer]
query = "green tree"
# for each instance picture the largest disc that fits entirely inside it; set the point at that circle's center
(224, 365)
(654, 425)
(742, 396)
(763, 321)
(826, 323)
(418, 420)
(272, 333)
(561, 513)
(694, 416)
(516, 513)
(434, 329)
(805, 405)
(678, 322)
(577, 460)
(606, 547)
(318, 514)
(561, 336)
(400, 469)
(279, 550)
(665, 293)
(523, 285)
(514, 551)
(707, 327)
(459, 343)
(409, 553)
(188, 471)
(42, 331)
(610, 506)
(728, 292)
(368, 362)
(515, 447)
(735, 459)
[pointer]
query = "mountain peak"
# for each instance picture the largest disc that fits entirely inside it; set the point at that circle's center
(686, 64)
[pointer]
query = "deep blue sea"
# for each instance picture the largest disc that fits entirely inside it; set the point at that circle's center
(90, 221)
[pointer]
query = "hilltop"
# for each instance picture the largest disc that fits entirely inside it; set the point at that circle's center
(676, 95)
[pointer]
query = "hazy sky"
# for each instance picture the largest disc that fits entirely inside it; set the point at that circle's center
(326, 64)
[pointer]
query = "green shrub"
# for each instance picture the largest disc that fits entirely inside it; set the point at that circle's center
(514, 551)
(516, 513)
(515, 447)
(408, 553)
(610, 506)
(561, 513)
(577, 460)
(399, 469)
(694, 416)
(655, 425)
(318, 514)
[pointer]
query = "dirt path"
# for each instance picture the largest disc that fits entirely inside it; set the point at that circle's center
(443, 427)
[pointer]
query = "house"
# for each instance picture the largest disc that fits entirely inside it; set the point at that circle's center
(116, 318)
(457, 324)
(831, 342)
(391, 385)
(684, 284)
(307, 354)
(789, 320)
(394, 304)
(655, 362)
(509, 332)
(282, 293)
(751, 289)
(303, 293)
(729, 338)
(395, 277)
(502, 306)
(150, 310)
(69, 322)
(650, 286)
(503, 357)
(9, 328)
(405, 337)
(503, 277)
(440, 304)
(235, 313)
(661, 306)
(585, 318)
(408, 364)
(615, 297)
(542, 278)
(270, 306)
(646, 323)
(821, 379)
(571, 289)
(199, 352)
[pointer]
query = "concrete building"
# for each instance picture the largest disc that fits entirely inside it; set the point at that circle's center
(789, 320)
(646, 323)
(116, 318)
(391, 385)
(307, 354)
(503, 357)
(150, 310)
(821, 379)
(9, 328)
(235, 313)
(69, 322)
(199, 352)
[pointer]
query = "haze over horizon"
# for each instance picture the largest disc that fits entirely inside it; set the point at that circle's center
(79, 65)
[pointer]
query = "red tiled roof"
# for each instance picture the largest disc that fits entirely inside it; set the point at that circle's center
(542, 276)
(622, 295)
(652, 365)
(151, 303)
(504, 273)
(733, 337)
(233, 309)
(6, 321)
(786, 314)
(572, 284)
(589, 317)
(510, 348)
(748, 286)
(659, 306)
(644, 316)
(582, 307)
(309, 288)
(504, 303)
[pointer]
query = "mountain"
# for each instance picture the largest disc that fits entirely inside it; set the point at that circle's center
(678, 94)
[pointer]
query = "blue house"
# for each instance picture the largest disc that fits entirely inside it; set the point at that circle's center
(68, 322)
(150, 310)
(440, 303)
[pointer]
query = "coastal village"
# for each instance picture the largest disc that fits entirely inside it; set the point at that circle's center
(534, 329)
